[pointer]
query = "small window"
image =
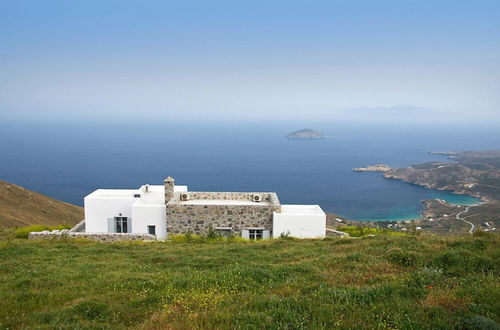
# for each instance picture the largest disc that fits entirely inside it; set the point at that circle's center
(152, 230)
(137, 195)
(121, 225)
(255, 234)
(224, 232)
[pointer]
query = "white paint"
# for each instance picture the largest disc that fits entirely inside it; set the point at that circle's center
(146, 210)
(302, 221)
(103, 204)
(144, 215)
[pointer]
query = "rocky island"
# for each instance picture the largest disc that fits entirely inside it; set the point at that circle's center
(373, 168)
(305, 134)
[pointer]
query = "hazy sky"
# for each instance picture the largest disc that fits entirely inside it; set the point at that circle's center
(108, 60)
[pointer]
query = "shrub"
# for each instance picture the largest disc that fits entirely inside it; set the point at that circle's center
(23, 232)
(362, 231)
(212, 234)
(479, 323)
(286, 236)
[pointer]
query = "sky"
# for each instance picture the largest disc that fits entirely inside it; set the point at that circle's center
(242, 60)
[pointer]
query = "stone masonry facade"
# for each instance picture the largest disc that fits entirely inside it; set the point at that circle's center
(184, 214)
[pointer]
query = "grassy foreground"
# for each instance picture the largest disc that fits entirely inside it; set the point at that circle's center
(373, 282)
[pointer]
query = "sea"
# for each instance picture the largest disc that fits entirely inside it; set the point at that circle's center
(68, 160)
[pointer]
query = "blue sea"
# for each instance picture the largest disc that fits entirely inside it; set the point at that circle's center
(69, 160)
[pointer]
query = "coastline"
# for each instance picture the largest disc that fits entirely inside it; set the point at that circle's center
(472, 174)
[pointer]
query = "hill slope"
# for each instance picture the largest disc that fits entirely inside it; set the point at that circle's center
(475, 173)
(22, 207)
(382, 282)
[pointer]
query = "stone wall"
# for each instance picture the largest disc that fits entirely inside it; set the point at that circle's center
(101, 237)
(239, 196)
(198, 218)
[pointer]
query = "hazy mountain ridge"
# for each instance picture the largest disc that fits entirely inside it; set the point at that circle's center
(402, 110)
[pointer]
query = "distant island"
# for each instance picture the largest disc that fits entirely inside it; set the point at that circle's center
(305, 134)
(373, 168)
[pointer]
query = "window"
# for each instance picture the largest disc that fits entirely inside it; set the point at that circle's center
(137, 195)
(224, 232)
(152, 230)
(121, 225)
(255, 233)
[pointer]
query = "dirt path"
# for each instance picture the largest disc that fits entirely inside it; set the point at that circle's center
(472, 226)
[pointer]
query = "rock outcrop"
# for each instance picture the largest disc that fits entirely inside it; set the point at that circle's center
(373, 168)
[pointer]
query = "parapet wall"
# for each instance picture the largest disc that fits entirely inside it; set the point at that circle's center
(236, 196)
(101, 237)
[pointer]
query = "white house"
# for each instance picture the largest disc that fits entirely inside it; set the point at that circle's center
(163, 209)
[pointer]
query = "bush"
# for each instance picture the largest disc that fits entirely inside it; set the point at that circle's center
(479, 323)
(23, 232)
(362, 231)
(209, 238)
(286, 236)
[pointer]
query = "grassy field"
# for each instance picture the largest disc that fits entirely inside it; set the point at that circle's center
(373, 282)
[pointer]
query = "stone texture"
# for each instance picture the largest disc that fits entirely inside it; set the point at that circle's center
(101, 237)
(198, 218)
(169, 188)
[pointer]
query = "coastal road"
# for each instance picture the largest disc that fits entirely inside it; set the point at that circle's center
(472, 226)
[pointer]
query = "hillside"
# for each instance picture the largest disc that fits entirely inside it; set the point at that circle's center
(382, 282)
(475, 173)
(22, 207)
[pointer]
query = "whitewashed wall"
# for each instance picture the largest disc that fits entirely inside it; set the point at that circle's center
(98, 210)
(300, 221)
(144, 215)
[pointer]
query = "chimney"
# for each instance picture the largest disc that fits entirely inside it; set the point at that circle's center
(169, 189)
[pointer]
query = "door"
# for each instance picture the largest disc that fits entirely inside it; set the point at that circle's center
(152, 230)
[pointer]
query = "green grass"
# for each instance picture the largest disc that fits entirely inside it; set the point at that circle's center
(362, 231)
(373, 282)
(23, 232)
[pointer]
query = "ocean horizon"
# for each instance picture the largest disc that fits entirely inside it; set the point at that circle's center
(67, 161)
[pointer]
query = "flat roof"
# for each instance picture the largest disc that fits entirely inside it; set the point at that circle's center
(114, 193)
(301, 209)
(155, 192)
